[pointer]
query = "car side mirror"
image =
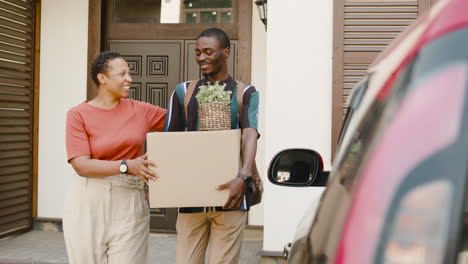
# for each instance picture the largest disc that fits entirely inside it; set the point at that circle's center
(297, 167)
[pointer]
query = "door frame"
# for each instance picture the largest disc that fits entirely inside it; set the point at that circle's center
(241, 31)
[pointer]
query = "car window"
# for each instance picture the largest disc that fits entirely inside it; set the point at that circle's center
(353, 104)
(418, 230)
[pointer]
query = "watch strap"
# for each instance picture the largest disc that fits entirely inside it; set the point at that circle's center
(246, 178)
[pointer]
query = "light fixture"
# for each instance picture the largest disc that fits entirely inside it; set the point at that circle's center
(262, 11)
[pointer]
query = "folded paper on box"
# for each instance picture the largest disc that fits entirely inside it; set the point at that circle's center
(190, 165)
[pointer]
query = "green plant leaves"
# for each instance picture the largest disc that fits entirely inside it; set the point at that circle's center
(213, 93)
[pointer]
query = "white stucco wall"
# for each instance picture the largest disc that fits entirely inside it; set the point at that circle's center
(297, 103)
(258, 79)
(63, 66)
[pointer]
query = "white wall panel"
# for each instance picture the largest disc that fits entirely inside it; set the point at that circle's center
(297, 103)
(63, 66)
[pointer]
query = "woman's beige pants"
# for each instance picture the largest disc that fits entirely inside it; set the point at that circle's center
(105, 224)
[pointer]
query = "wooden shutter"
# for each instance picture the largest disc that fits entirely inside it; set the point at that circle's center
(362, 29)
(16, 113)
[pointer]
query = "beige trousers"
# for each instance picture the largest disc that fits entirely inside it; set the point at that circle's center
(223, 231)
(105, 224)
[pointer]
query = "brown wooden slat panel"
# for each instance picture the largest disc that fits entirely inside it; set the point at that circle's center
(15, 9)
(14, 138)
(17, 225)
(14, 41)
(378, 23)
(365, 49)
(25, 20)
(22, 51)
(360, 57)
(362, 67)
(15, 89)
(14, 129)
(16, 74)
(14, 162)
(355, 73)
(15, 153)
(13, 185)
(409, 3)
(13, 57)
(24, 4)
(367, 42)
(15, 122)
(15, 105)
(351, 79)
(14, 217)
(12, 81)
(14, 33)
(15, 201)
(15, 146)
(14, 209)
(13, 194)
(370, 36)
(374, 29)
(17, 82)
(15, 66)
(373, 9)
(15, 25)
(14, 114)
(14, 170)
(381, 16)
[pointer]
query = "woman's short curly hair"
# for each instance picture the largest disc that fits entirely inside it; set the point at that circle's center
(101, 63)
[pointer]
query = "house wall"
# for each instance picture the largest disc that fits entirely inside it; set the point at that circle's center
(63, 59)
(297, 103)
(259, 61)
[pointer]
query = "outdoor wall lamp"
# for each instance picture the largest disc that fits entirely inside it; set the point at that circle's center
(262, 11)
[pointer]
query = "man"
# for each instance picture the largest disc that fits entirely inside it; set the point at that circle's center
(223, 226)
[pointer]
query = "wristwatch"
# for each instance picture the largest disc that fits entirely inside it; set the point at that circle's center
(247, 179)
(123, 166)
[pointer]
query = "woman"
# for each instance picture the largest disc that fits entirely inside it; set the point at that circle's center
(106, 216)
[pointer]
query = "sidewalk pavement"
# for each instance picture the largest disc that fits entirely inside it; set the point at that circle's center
(47, 247)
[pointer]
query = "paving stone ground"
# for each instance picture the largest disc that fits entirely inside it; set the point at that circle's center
(47, 247)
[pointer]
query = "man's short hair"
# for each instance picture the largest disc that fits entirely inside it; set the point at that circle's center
(219, 34)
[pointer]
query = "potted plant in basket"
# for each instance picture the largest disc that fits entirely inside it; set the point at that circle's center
(214, 107)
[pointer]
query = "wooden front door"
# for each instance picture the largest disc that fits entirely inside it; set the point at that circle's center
(161, 55)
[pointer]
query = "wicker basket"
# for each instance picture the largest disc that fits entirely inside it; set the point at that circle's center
(215, 116)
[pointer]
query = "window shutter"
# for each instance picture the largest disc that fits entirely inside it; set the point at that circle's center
(16, 113)
(362, 29)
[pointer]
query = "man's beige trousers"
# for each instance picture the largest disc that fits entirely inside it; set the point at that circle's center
(223, 231)
(105, 224)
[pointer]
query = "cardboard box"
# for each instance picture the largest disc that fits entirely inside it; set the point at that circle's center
(190, 165)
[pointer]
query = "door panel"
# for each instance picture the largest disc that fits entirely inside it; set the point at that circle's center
(156, 68)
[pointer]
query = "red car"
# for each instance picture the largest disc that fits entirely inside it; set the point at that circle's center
(398, 191)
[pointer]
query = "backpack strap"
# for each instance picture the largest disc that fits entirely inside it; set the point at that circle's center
(188, 95)
(240, 95)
